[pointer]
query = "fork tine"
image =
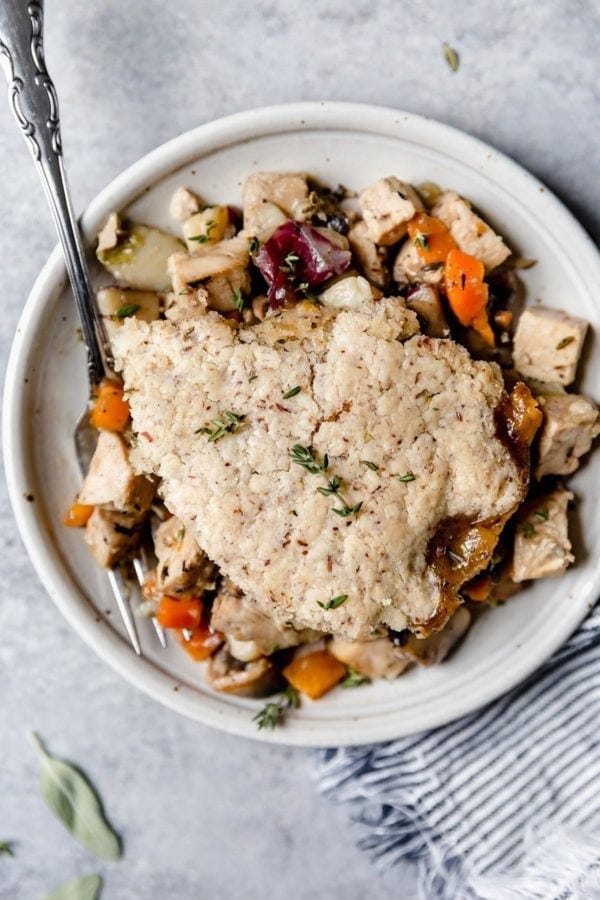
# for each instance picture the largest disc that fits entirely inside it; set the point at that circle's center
(139, 574)
(125, 610)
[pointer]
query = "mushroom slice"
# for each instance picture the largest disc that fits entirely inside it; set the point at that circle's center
(230, 676)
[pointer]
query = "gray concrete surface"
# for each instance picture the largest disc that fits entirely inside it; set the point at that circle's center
(203, 814)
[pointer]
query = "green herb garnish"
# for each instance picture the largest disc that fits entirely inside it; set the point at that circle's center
(238, 299)
(220, 427)
(347, 510)
(565, 342)
(527, 530)
(293, 392)
(203, 238)
(253, 245)
(541, 514)
(333, 486)
(73, 800)
(405, 479)
(252, 378)
(6, 848)
(273, 713)
(370, 465)
(334, 602)
(451, 56)
(421, 239)
(128, 310)
(354, 679)
(305, 457)
(289, 263)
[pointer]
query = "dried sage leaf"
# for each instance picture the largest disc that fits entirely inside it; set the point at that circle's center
(87, 887)
(73, 800)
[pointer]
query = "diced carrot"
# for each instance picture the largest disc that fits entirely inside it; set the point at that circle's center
(482, 326)
(315, 674)
(465, 288)
(202, 642)
(431, 238)
(77, 515)
(110, 411)
(175, 613)
(478, 589)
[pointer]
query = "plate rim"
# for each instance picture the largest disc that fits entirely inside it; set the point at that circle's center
(122, 190)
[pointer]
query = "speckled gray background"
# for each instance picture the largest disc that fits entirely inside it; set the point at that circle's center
(204, 814)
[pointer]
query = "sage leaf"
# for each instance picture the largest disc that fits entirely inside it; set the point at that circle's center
(87, 887)
(73, 800)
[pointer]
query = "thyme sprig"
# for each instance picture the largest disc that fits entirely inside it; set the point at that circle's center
(228, 424)
(305, 457)
(203, 238)
(333, 603)
(274, 712)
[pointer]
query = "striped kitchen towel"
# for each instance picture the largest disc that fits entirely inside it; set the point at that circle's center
(503, 804)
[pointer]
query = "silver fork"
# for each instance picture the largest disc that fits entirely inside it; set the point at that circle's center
(33, 102)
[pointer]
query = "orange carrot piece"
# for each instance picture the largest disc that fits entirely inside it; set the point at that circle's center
(202, 643)
(77, 515)
(315, 674)
(175, 613)
(431, 238)
(110, 411)
(479, 588)
(465, 288)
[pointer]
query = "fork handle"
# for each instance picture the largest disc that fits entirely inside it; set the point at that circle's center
(32, 99)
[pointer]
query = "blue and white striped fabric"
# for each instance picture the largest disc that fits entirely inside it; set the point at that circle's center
(502, 804)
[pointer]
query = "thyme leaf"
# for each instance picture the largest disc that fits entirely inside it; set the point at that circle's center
(227, 424)
(451, 56)
(334, 602)
(273, 713)
(421, 239)
(541, 514)
(238, 299)
(405, 479)
(128, 310)
(292, 392)
(565, 342)
(354, 679)
(370, 465)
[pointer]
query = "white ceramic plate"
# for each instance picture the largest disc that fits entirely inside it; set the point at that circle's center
(46, 391)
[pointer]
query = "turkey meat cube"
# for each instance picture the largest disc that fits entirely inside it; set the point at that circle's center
(542, 546)
(387, 206)
(181, 563)
(471, 233)
(570, 424)
(548, 344)
(111, 479)
(111, 534)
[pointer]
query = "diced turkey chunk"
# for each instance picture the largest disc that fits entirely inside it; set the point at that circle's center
(111, 480)
(375, 659)
(548, 343)
(425, 301)
(371, 258)
(387, 206)
(110, 535)
(542, 546)
(181, 563)
(184, 203)
(432, 650)
(242, 622)
(286, 190)
(409, 268)
(471, 233)
(222, 269)
(570, 424)
(120, 303)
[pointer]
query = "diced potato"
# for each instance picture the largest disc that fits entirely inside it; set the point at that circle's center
(315, 673)
(286, 190)
(205, 228)
(184, 203)
(140, 257)
(267, 219)
(120, 303)
(548, 343)
(347, 293)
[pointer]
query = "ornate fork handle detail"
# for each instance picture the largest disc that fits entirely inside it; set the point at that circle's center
(33, 101)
